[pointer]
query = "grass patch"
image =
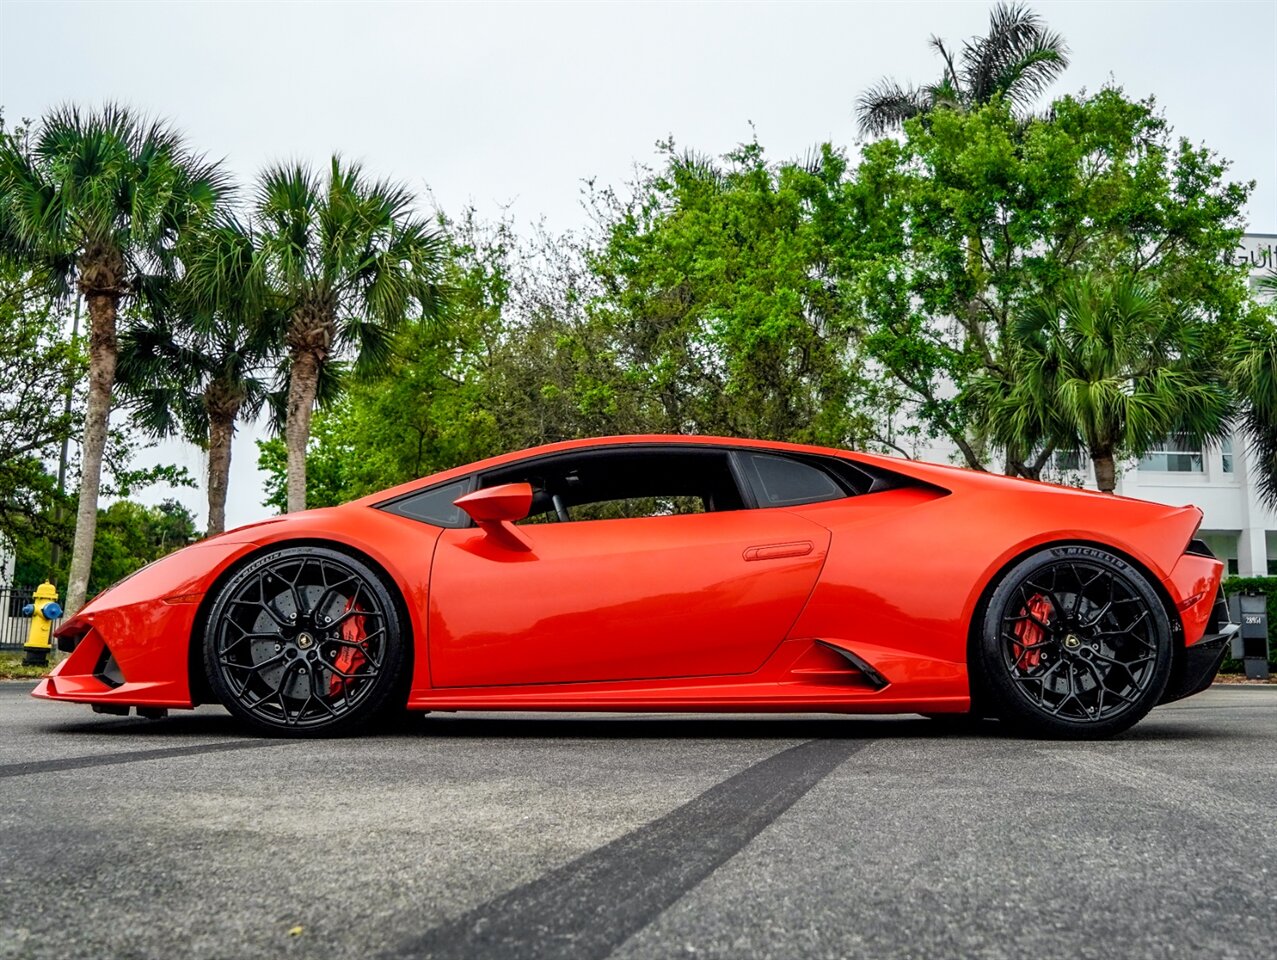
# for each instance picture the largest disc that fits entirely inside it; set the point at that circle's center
(12, 667)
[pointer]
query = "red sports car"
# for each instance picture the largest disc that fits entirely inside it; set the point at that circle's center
(672, 574)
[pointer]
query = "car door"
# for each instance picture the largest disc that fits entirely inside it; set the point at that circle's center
(622, 599)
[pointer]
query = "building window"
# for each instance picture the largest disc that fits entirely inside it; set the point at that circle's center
(1175, 454)
(1226, 454)
(1223, 543)
(1068, 460)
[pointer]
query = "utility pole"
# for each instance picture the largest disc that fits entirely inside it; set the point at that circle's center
(55, 553)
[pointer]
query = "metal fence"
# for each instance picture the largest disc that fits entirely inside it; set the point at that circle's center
(13, 625)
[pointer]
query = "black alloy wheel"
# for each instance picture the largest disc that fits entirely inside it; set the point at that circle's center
(1075, 643)
(305, 641)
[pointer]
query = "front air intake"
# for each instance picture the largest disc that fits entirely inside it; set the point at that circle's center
(107, 670)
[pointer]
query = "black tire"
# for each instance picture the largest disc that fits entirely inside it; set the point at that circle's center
(1074, 644)
(306, 641)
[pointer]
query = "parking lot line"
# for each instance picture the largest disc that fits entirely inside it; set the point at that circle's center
(588, 907)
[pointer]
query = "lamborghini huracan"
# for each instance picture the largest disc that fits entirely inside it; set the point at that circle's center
(672, 573)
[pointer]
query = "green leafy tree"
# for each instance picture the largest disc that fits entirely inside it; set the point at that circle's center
(413, 419)
(97, 202)
(1017, 60)
(552, 366)
(198, 367)
(134, 535)
(954, 230)
(443, 396)
(714, 285)
(347, 262)
(130, 536)
(36, 365)
(1109, 367)
(702, 303)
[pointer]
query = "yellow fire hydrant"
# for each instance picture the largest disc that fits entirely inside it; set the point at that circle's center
(42, 612)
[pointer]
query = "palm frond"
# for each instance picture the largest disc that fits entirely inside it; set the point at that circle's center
(1253, 361)
(886, 105)
(1018, 57)
(101, 198)
(950, 76)
(1109, 365)
(1025, 79)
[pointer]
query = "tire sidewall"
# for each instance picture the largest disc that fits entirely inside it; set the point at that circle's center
(1005, 696)
(388, 686)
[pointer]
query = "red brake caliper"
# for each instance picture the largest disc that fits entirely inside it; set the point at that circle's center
(1029, 633)
(349, 659)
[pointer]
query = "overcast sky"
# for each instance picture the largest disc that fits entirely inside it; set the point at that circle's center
(514, 105)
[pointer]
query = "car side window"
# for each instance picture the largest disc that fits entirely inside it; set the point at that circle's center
(434, 506)
(782, 482)
(633, 508)
(625, 483)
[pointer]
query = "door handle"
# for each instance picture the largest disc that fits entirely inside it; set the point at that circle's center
(775, 551)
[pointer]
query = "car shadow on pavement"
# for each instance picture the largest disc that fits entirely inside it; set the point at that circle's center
(213, 723)
(184, 724)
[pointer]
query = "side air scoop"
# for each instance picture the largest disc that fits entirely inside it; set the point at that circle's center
(876, 679)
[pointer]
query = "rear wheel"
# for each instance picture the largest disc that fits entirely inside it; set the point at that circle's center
(1074, 643)
(305, 641)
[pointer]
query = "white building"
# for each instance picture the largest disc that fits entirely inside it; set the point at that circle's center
(1236, 524)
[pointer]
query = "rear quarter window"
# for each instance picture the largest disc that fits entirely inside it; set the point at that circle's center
(781, 482)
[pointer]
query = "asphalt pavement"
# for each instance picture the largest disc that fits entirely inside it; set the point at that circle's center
(591, 836)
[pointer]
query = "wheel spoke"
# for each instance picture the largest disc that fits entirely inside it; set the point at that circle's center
(1057, 608)
(247, 636)
(360, 675)
(253, 667)
(1027, 644)
(299, 606)
(1094, 621)
(318, 695)
(1031, 618)
(1100, 685)
(330, 591)
(1077, 597)
(360, 645)
(268, 608)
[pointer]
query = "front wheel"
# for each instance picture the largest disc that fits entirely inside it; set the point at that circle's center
(305, 641)
(1074, 643)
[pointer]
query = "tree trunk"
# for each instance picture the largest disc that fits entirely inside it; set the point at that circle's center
(102, 356)
(303, 383)
(968, 452)
(1014, 464)
(221, 431)
(1105, 471)
(310, 339)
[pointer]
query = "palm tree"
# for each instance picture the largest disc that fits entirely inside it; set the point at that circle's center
(1254, 366)
(1108, 367)
(348, 262)
(97, 201)
(1017, 59)
(195, 369)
